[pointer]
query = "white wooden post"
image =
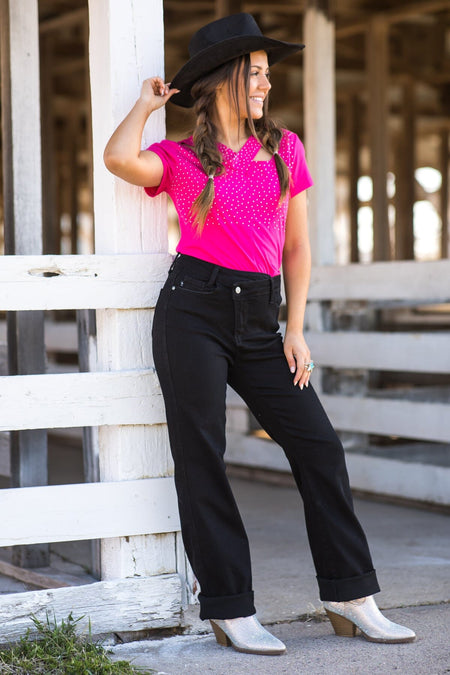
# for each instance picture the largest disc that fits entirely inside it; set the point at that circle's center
(320, 122)
(377, 82)
(21, 139)
(320, 116)
(126, 46)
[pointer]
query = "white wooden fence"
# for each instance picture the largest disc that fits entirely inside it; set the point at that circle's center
(108, 509)
(133, 507)
(419, 352)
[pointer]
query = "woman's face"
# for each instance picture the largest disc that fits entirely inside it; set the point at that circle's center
(258, 88)
(259, 84)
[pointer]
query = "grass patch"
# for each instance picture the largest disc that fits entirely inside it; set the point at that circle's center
(58, 650)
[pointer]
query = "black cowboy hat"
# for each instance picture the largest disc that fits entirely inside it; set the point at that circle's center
(221, 41)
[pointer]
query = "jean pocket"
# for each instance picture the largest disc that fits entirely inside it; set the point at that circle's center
(193, 285)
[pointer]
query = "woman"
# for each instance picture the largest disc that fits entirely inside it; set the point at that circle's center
(238, 184)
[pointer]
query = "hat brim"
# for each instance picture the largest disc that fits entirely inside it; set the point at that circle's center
(216, 55)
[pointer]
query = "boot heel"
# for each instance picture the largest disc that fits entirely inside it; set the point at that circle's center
(221, 637)
(342, 626)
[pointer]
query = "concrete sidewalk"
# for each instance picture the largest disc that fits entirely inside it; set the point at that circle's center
(411, 551)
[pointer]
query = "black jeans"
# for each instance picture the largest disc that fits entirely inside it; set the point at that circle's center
(214, 326)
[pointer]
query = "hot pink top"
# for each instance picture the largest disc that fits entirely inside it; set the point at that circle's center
(245, 228)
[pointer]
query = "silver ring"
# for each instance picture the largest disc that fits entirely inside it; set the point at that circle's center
(309, 367)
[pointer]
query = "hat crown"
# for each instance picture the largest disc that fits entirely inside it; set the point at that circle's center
(234, 26)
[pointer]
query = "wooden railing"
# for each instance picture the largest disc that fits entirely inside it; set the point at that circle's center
(378, 412)
(108, 509)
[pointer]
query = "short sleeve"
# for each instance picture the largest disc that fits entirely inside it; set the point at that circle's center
(165, 152)
(301, 178)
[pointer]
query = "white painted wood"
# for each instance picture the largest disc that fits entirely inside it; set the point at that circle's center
(60, 336)
(255, 452)
(80, 399)
(377, 475)
(82, 282)
(5, 458)
(127, 46)
(405, 280)
(88, 511)
(20, 112)
(409, 419)
(126, 281)
(121, 605)
(319, 113)
(377, 60)
(421, 482)
(411, 352)
(387, 417)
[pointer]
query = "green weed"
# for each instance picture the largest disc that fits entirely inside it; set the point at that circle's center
(59, 650)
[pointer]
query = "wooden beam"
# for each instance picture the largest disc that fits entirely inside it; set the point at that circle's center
(127, 397)
(382, 351)
(123, 214)
(353, 149)
(120, 605)
(29, 577)
(377, 84)
(379, 475)
(393, 15)
(388, 281)
(82, 282)
(405, 180)
(319, 106)
(389, 417)
(296, 9)
(64, 20)
(122, 508)
(23, 224)
(444, 205)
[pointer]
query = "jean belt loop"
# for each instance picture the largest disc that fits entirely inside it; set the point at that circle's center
(178, 255)
(213, 277)
(272, 290)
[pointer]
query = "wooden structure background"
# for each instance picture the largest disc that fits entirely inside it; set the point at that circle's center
(370, 96)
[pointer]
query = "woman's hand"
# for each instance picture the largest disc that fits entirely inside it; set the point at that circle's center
(155, 94)
(297, 355)
(123, 155)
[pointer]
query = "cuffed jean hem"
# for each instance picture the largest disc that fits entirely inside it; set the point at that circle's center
(227, 606)
(342, 590)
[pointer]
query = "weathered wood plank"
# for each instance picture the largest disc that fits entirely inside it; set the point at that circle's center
(320, 123)
(127, 281)
(5, 460)
(410, 480)
(82, 282)
(30, 577)
(410, 352)
(19, 62)
(405, 280)
(378, 475)
(126, 221)
(80, 399)
(60, 336)
(409, 419)
(110, 606)
(88, 511)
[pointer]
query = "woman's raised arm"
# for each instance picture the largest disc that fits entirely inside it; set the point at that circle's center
(123, 155)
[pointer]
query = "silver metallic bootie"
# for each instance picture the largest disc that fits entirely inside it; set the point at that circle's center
(245, 634)
(364, 614)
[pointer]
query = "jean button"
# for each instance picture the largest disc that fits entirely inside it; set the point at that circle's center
(237, 289)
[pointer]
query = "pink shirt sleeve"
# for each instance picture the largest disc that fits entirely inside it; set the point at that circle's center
(165, 152)
(301, 178)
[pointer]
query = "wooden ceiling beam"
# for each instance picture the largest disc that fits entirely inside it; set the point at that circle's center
(66, 20)
(393, 15)
(279, 8)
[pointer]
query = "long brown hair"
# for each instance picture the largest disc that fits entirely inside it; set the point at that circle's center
(204, 135)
